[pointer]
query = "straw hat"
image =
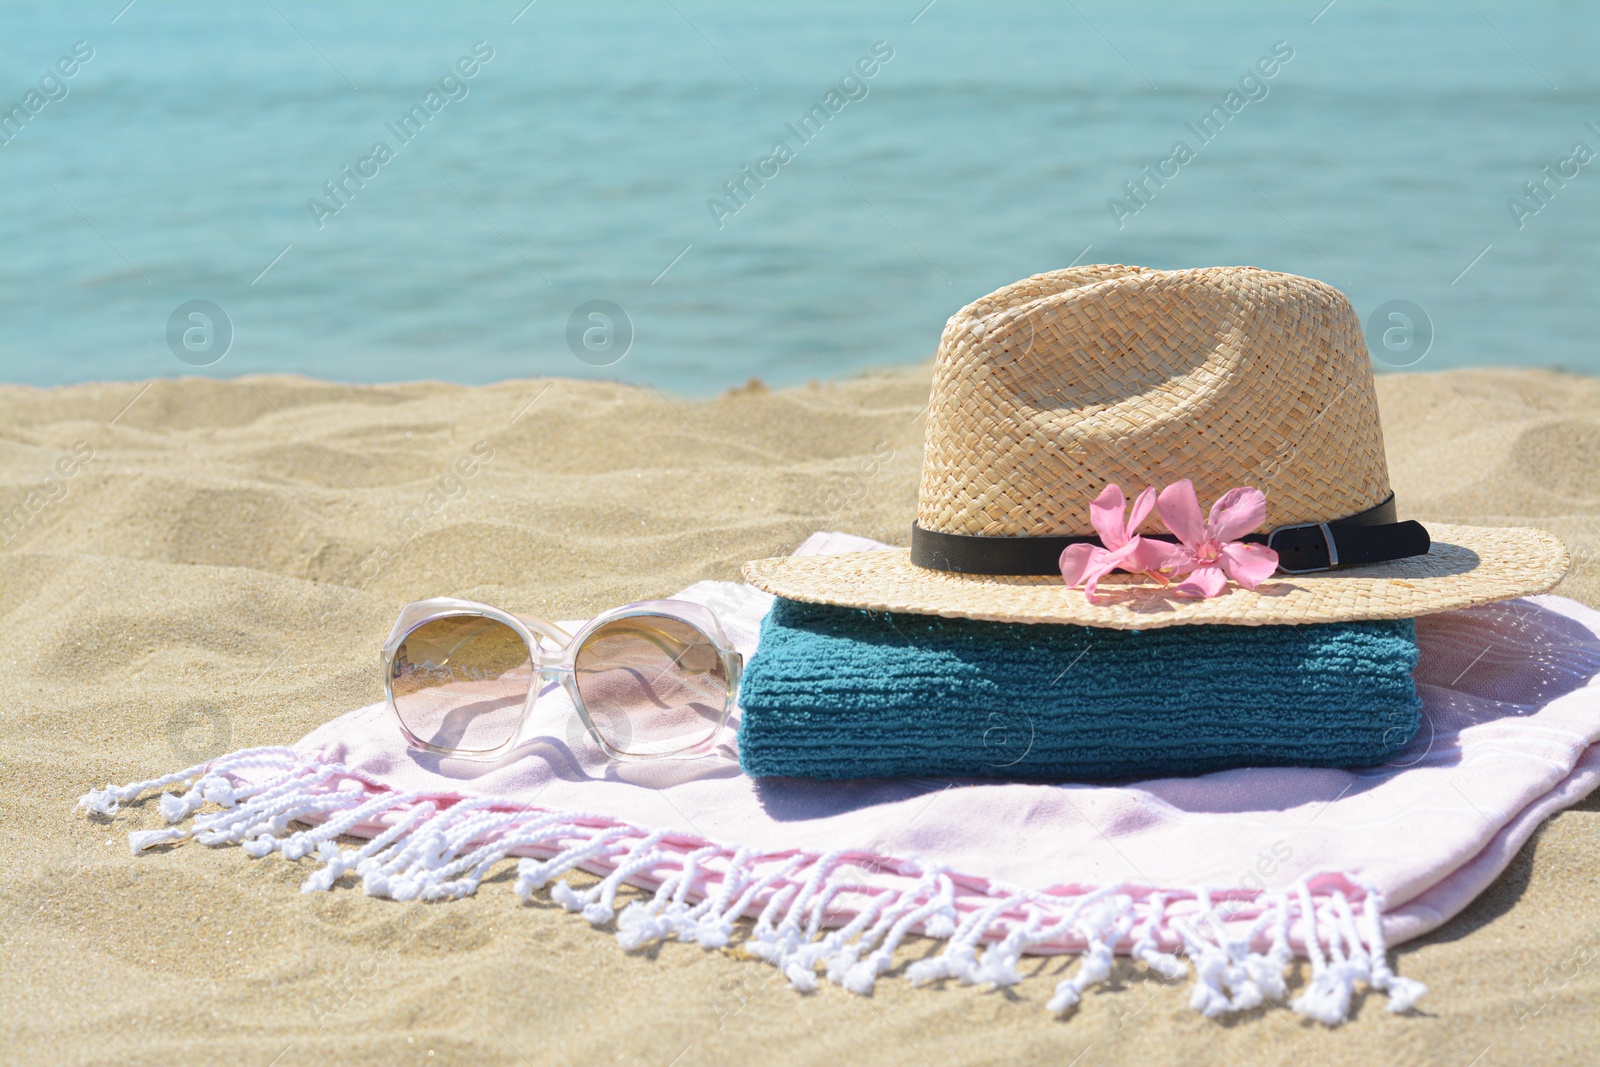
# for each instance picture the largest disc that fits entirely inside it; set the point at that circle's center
(1049, 389)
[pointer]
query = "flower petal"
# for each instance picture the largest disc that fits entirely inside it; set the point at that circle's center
(1206, 580)
(1160, 557)
(1097, 572)
(1103, 563)
(1248, 564)
(1105, 515)
(1076, 561)
(1180, 510)
(1093, 581)
(1237, 512)
(1142, 506)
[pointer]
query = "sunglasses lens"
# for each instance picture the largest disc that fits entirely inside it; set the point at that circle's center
(460, 683)
(652, 685)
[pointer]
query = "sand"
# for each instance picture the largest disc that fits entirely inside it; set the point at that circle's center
(220, 571)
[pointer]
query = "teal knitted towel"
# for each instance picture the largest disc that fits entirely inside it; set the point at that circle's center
(843, 693)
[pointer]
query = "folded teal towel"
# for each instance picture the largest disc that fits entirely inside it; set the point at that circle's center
(844, 693)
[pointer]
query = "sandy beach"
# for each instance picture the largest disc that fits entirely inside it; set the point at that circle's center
(191, 567)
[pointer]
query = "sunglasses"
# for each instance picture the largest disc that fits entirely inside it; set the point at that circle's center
(648, 680)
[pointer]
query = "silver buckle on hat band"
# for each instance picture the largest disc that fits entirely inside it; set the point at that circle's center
(1327, 537)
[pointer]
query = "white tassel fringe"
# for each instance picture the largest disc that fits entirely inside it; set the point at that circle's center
(812, 912)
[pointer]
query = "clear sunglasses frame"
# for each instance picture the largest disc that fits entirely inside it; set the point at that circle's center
(558, 664)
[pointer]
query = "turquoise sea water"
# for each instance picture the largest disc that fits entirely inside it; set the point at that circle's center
(580, 160)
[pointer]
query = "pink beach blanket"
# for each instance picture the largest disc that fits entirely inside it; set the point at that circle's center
(1230, 874)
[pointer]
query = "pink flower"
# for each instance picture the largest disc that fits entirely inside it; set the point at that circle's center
(1085, 564)
(1210, 551)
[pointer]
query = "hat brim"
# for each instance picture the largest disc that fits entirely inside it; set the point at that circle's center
(1467, 565)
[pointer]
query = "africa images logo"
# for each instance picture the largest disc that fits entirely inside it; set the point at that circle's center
(852, 86)
(1253, 88)
(53, 86)
(452, 86)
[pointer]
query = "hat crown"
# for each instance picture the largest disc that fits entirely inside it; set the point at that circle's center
(1051, 388)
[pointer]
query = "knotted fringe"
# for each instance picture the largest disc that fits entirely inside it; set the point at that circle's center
(844, 913)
